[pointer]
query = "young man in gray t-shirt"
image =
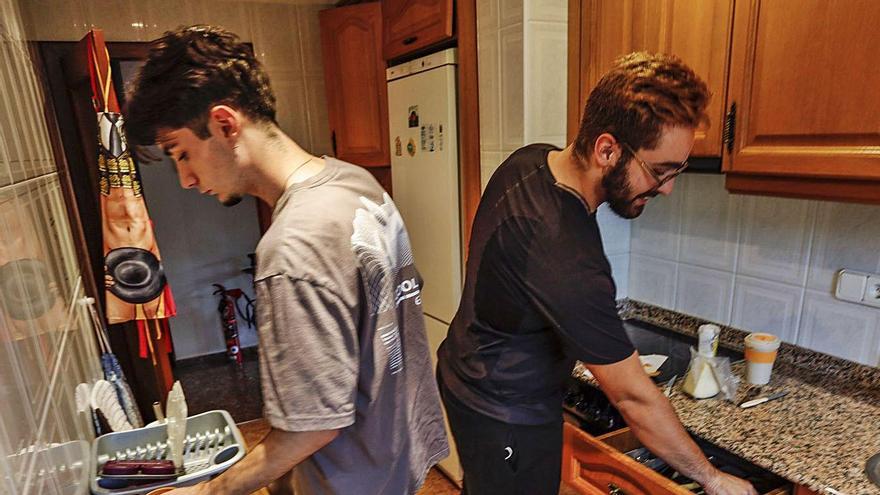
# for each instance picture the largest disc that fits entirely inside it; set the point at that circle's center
(345, 368)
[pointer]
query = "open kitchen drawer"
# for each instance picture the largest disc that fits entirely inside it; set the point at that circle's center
(599, 466)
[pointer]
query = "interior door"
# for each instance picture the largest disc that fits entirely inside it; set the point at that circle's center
(66, 67)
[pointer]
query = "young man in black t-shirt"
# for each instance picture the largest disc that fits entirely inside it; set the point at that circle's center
(539, 294)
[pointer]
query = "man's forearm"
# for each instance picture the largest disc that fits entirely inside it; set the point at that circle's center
(654, 422)
(277, 454)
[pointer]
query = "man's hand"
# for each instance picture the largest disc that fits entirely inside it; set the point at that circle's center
(725, 484)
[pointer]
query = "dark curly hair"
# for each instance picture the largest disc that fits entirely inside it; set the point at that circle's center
(640, 95)
(188, 71)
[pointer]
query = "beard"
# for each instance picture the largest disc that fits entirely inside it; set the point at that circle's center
(618, 192)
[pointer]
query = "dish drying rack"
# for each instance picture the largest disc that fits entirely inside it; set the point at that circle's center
(212, 444)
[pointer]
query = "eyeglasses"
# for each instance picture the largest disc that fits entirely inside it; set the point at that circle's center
(661, 179)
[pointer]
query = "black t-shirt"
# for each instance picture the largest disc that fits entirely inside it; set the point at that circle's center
(538, 295)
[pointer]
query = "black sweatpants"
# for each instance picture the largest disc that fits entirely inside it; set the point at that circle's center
(501, 458)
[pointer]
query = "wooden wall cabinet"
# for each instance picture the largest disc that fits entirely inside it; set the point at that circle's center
(797, 87)
(698, 31)
(410, 25)
(354, 77)
(805, 85)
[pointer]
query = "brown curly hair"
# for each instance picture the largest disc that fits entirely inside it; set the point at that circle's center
(188, 71)
(640, 95)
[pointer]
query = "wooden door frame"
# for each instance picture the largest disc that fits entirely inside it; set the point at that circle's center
(468, 117)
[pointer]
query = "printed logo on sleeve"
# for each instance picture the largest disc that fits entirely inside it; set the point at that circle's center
(382, 247)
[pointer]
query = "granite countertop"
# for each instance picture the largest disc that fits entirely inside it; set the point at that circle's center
(820, 435)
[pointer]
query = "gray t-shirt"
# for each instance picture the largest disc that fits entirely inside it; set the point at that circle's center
(342, 337)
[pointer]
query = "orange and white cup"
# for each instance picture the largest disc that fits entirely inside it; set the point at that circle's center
(761, 350)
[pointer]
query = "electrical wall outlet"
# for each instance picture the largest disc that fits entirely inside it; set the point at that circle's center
(872, 291)
(858, 287)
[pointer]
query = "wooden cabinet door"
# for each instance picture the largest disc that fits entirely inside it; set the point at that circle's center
(805, 81)
(697, 31)
(592, 467)
(413, 24)
(354, 75)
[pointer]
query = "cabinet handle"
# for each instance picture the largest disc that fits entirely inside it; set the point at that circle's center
(729, 131)
(615, 490)
(410, 40)
(333, 141)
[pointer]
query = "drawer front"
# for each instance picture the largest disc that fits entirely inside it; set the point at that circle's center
(597, 466)
(592, 467)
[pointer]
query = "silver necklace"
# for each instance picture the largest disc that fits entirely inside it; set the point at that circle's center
(303, 164)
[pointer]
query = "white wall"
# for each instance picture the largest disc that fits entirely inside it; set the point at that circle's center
(759, 263)
(202, 242)
(523, 54)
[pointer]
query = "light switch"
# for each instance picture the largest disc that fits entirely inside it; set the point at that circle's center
(851, 285)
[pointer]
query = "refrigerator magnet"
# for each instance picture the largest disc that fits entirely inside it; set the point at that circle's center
(414, 116)
(411, 147)
(398, 148)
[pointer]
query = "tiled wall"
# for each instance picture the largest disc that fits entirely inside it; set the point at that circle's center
(759, 263)
(285, 35)
(500, 58)
(522, 67)
(46, 342)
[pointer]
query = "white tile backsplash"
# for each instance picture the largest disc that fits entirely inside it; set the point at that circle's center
(709, 226)
(781, 255)
(319, 124)
(615, 231)
(546, 50)
(656, 231)
(487, 15)
(309, 28)
(776, 235)
(764, 306)
(704, 292)
(620, 273)
(489, 161)
(275, 32)
(652, 280)
(847, 236)
(511, 86)
(510, 12)
(840, 328)
(489, 60)
(292, 110)
(546, 10)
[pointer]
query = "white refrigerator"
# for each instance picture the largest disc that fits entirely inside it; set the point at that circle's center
(424, 173)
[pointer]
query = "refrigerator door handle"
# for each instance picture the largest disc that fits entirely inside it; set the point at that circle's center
(333, 141)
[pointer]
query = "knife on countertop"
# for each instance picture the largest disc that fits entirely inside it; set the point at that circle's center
(761, 400)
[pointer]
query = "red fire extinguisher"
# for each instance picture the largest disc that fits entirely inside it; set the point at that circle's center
(228, 305)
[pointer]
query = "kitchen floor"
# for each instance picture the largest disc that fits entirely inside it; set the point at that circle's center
(436, 482)
(213, 382)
